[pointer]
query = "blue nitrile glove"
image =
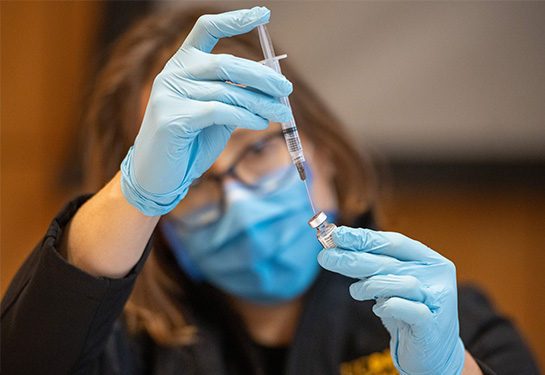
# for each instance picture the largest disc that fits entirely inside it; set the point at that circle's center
(192, 112)
(415, 290)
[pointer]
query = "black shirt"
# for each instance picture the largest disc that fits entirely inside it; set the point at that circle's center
(57, 319)
(273, 359)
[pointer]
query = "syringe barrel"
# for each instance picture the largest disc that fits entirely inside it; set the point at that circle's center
(291, 136)
(289, 129)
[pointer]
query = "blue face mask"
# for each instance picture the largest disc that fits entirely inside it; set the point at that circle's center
(262, 249)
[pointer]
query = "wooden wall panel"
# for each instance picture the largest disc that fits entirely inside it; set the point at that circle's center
(47, 53)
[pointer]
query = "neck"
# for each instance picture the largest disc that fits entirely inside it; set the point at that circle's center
(270, 325)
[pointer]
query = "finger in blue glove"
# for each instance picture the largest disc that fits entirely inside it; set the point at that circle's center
(194, 108)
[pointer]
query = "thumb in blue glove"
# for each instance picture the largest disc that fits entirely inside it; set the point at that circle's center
(415, 290)
(194, 108)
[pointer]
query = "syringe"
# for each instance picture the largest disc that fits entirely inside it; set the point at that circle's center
(288, 128)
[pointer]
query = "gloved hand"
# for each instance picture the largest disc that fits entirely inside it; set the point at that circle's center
(193, 110)
(415, 290)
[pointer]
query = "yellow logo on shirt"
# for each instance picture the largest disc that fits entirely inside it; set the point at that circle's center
(379, 363)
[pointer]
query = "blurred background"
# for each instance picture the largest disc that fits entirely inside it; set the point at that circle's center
(449, 97)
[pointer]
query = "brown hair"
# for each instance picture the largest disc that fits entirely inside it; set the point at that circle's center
(113, 121)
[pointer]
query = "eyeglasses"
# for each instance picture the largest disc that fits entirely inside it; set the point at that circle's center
(262, 167)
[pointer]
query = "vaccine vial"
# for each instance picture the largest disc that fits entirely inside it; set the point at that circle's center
(325, 229)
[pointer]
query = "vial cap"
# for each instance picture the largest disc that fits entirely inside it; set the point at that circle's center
(317, 219)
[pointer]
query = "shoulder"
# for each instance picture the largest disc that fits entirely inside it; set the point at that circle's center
(477, 314)
(491, 337)
(473, 302)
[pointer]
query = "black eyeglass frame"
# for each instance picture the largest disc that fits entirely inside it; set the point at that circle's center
(231, 171)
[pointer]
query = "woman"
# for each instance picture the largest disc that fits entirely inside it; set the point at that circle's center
(232, 284)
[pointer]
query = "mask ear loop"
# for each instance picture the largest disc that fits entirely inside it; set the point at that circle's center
(177, 248)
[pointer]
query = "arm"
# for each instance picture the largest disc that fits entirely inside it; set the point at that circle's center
(105, 222)
(191, 114)
(57, 315)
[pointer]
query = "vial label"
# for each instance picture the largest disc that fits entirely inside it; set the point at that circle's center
(327, 241)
